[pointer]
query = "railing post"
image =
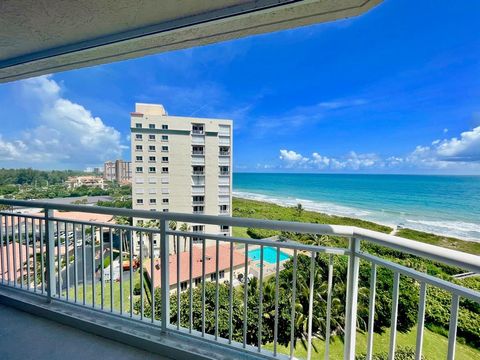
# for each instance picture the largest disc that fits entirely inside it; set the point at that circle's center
(165, 283)
(352, 297)
(50, 248)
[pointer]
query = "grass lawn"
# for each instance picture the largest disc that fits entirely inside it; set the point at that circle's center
(106, 295)
(434, 346)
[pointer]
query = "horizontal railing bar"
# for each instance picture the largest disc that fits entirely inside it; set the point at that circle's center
(266, 242)
(108, 225)
(447, 256)
(421, 277)
(432, 252)
(27, 216)
(300, 227)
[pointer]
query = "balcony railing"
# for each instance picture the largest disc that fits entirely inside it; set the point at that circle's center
(74, 269)
(198, 153)
(224, 153)
(198, 172)
(198, 132)
(224, 173)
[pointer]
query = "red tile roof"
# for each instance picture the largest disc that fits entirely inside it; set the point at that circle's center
(210, 263)
(136, 114)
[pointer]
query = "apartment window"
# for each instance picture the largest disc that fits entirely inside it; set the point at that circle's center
(164, 180)
(152, 169)
(152, 191)
(139, 180)
(198, 199)
(198, 170)
(165, 159)
(152, 180)
(164, 127)
(165, 201)
(221, 275)
(197, 150)
(138, 125)
(164, 137)
(139, 147)
(224, 170)
(224, 150)
(223, 208)
(139, 201)
(183, 286)
(165, 210)
(151, 126)
(139, 158)
(153, 201)
(138, 136)
(198, 228)
(151, 148)
(198, 209)
(165, 191)
(151, 137)
(198, 281)
(197, 128)
(165, 148)
(139, 169)
(224, 228)
(152, 158)
(164, 170)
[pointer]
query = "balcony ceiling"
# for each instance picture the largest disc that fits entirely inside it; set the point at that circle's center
(39, 37)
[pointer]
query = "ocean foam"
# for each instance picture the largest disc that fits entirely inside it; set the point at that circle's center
(459, 229)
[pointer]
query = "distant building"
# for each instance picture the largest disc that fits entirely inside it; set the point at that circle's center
(119, 171)
(90, 181)
(181, 164)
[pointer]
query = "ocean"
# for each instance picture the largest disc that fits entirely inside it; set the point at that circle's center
(446, 205)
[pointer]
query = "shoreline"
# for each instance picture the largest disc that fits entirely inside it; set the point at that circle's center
(347, 212)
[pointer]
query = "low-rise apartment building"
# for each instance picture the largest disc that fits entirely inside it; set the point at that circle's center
(89, 181)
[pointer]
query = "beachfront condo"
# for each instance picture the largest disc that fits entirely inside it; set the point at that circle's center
(180, 164)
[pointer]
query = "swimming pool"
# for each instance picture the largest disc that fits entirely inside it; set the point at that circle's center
(269, 255)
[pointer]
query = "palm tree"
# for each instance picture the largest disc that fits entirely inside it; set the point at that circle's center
(184, 227)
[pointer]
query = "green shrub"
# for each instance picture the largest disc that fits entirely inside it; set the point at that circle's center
(400, 354)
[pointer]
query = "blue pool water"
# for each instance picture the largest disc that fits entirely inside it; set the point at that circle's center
(269, 255)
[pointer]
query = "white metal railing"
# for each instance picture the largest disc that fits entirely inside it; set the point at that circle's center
(72, 260)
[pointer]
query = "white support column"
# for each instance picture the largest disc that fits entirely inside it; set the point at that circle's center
(164, 266)
(49, 237)
(352, 296)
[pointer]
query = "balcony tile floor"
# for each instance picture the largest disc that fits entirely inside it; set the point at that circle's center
(25, 336)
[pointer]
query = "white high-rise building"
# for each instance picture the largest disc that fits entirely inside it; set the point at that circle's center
(181, 164)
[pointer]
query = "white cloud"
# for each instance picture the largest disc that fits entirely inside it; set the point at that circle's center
(351, 161)
(465, 148)
(293, 159)
(66, 133)
(456, 155)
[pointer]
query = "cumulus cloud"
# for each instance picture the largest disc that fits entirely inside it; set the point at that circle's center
(464, 148)
(457, 154)
(292, 158)
(66, 133)
(351, 161)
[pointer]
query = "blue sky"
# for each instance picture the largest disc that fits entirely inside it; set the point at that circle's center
(396, 90)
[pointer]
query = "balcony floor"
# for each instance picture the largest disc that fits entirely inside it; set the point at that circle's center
(25, 336)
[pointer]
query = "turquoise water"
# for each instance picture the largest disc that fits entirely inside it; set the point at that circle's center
(269, 255)
(448, 205)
